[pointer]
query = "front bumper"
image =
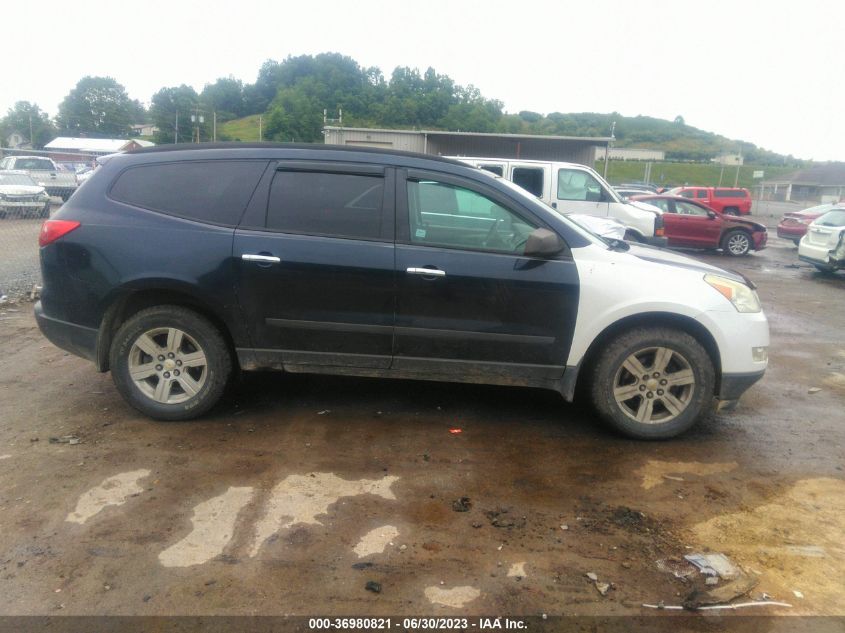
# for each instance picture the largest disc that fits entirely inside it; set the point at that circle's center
(732, 386)
(660, 242)
(76, 339)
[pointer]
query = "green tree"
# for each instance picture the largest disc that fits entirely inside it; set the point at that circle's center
(98, 107)
(295, 115)
(226, 97)
(26, 116)
(171, 110)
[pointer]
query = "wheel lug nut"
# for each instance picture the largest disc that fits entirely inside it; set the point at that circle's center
(642, 387)
(167, 375)
(664, 382)
(176, 372)
(178, 363)
(645, 377)
(159, 367)
(660, 392)
(161, 357)
(648, 395)
(656, 374)
(171, 355)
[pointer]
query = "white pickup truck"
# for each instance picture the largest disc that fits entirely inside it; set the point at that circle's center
(44, 172)
(575, 188)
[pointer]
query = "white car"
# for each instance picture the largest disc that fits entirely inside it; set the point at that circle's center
(22, 197)
(824, 244)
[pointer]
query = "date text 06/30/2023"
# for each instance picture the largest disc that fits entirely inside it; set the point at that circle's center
(480, 623)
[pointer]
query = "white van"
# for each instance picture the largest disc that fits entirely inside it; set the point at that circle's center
(574, 188)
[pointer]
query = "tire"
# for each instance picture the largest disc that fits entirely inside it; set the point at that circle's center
(731, 211)
(202, 361)
(736, 243)
(633, 236)
(824, 269)
(688, 363)
(796, 242)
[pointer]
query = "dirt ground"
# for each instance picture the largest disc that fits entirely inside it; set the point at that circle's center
(299, 490)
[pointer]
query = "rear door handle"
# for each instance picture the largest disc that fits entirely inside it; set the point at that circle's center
(426, 272)
(264, 259)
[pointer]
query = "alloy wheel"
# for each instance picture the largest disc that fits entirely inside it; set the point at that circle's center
(654, 385)
(168, 365)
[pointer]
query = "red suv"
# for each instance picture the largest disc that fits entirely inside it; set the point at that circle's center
(727, 200)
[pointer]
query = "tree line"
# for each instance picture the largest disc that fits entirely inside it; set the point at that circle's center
(292, 94)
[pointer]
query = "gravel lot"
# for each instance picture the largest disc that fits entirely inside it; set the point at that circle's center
(299, 490)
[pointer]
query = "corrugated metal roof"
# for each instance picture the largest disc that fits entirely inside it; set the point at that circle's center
(107, 145)
(818, 175)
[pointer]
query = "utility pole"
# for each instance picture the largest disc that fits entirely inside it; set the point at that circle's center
(176, 129)
(214, 127)
(31, 138)
(260, 130)
(738, 165)
(197, 119)
(607, 148)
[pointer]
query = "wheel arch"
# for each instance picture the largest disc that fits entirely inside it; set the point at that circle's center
(574, 383)
(134, 297)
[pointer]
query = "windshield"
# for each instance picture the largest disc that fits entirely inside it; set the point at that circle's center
(16, 179)
(832, 218)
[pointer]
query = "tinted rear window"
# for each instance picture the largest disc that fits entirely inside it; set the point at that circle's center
(333, 204)
(730, 193)
(209, 191)
(41, 164)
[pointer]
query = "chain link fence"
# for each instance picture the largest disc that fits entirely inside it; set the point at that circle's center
(33, 186)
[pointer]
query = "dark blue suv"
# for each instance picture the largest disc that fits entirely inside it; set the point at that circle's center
(173, 267)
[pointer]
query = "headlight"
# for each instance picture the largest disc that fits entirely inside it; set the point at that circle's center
(743, 298)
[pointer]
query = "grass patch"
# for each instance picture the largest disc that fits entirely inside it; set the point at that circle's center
(243, 129)
(701, 174)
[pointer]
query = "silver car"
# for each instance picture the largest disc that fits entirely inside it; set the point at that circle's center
(22, 197)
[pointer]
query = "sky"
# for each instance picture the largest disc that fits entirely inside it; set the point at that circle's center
(765, 72)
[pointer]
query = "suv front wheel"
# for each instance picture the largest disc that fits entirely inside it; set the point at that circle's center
(652, 383)
(170, 363)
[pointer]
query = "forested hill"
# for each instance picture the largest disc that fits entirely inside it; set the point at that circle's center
(287, 100)
(291, 96)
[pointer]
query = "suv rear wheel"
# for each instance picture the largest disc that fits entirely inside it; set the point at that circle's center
(170, 363)
(652, 383)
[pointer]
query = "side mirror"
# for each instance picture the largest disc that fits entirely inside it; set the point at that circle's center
(711, 215)
(542, 243)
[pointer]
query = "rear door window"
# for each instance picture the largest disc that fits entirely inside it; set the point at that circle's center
(327, 203)
(701, 193)
(207, 191)
(530, 179)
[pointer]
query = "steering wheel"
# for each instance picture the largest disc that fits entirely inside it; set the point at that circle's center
(494, 229)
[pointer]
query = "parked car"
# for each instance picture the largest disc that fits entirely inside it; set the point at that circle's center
(44, 172)
(638, 185)
(630, 192)
(574, 188)
(21, 197)
(356, 261)
(690, 224)
(727, 200)
(793, 224)
(824, 244)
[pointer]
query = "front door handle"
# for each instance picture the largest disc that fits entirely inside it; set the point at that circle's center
(262, 259)
(426, 272)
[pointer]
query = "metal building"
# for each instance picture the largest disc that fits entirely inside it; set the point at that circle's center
(573, 149)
